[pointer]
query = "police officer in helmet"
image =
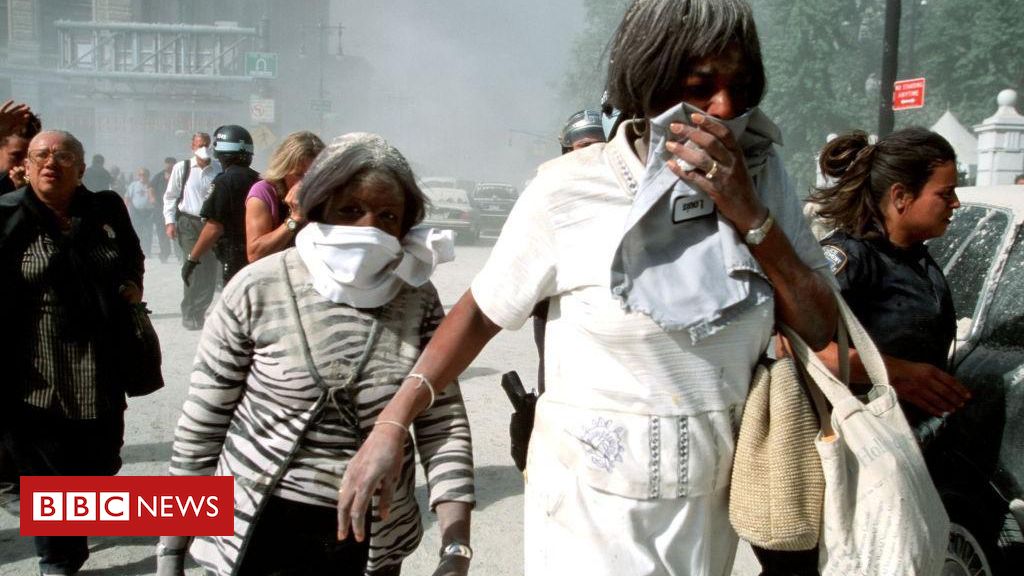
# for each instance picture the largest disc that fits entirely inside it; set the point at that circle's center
(581, 130)
(224, 210)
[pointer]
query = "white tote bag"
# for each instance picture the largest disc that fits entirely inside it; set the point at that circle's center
(882, 514)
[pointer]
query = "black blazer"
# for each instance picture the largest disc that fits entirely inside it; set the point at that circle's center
(94, 301)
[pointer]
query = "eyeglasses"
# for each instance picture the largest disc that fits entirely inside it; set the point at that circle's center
(64, 158)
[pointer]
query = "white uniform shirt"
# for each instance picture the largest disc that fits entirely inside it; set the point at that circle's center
(197, 188)
(612, 373)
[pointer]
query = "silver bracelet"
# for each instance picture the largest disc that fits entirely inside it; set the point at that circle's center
(457, 549)
(394, 423)
(424, 381)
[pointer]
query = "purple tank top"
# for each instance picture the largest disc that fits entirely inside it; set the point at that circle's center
(265, 191)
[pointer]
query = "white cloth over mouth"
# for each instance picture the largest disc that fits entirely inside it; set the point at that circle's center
(365, 267)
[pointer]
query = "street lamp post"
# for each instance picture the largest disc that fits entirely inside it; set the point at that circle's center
(890, 57)
(322, 32)
(915, 7)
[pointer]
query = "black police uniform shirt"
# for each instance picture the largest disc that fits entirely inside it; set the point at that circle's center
(899, 295)
(226, 205)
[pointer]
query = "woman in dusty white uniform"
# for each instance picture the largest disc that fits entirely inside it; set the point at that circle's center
(668, 254)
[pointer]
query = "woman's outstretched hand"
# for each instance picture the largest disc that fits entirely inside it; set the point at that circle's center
(373, 470)
(720, 170)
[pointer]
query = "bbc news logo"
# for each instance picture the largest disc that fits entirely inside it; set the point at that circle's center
(127, 505)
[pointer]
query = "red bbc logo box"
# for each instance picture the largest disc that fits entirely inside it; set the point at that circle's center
(127, 505)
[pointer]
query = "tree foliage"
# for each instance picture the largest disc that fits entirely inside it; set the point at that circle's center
(823, 60)
(584, 81)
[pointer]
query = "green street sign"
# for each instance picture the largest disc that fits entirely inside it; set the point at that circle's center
(261, 64)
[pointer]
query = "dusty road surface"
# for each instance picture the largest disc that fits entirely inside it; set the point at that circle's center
(497, 520)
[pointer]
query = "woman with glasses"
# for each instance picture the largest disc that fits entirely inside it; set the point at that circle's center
(72, 266)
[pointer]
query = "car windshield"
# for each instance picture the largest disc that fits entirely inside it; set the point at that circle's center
(447, 196)
(1005, 324)
(495, 192)
(964, 220)
(966, 253)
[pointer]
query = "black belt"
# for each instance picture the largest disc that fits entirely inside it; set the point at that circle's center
(187, 215)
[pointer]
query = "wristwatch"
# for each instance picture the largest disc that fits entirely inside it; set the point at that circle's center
(757, 235)
(292, 224)
(457, 549)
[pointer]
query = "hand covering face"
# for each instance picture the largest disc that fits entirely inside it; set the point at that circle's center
(679, 261)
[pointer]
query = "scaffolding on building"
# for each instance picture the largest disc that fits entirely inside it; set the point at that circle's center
(132, 50)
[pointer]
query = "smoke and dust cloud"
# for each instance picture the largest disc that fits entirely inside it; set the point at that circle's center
(464, 88)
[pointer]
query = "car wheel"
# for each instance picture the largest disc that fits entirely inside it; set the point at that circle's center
(964, 555)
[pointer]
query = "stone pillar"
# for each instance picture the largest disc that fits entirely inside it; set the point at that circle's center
(1001, 143)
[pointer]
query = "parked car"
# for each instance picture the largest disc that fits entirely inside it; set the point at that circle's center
(449, 182)
(494, 201)
(976, 456)
(450, 208)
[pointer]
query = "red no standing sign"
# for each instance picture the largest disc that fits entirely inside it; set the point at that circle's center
(908, 94)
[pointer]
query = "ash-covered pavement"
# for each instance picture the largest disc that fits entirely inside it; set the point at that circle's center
(497, 521)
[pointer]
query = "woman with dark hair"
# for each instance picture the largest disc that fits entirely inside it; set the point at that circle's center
(272, 217)
(303, 350)
(886, 200)
(667, 255)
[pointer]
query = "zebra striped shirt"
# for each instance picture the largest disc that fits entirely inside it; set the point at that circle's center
(254, 412)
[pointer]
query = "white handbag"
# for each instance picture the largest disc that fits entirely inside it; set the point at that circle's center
(882, 514)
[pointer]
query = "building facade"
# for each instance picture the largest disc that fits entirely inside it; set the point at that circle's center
(133, 79)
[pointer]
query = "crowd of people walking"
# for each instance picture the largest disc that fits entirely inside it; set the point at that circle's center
(657, 266)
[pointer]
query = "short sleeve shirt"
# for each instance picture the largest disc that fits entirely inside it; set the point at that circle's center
(899, 295)
(559, 243)
(226, 203)
(265, 192)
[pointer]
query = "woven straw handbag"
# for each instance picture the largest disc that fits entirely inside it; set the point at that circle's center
(778, 487)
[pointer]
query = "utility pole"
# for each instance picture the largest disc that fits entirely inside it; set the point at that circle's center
(890, 60)
(322, 33)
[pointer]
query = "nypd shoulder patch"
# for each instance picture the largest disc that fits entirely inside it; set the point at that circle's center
(836, 258)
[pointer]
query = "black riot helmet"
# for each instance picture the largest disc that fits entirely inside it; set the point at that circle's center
(232, 144)
(583, 124)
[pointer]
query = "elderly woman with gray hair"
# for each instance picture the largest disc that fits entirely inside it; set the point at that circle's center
(303, 350)
(667, 255)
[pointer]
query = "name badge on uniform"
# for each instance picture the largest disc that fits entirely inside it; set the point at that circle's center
(689, 206)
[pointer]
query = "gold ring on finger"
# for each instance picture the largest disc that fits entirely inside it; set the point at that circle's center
(710, 174)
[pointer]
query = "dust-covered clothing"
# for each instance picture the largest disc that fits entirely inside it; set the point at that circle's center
(255, 412)
(631, 412)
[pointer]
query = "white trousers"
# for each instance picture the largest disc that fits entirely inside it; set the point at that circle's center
(572, 528)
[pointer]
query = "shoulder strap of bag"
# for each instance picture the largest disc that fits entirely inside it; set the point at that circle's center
(345, 409)
(834, 389)
(186, 171)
